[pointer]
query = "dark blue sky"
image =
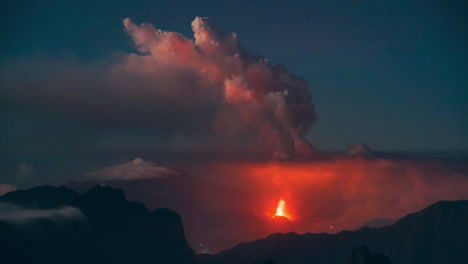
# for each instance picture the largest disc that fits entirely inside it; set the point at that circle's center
(388, 73)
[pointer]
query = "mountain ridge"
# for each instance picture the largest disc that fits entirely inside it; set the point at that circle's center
(101, 226)
(98, 226)
(435, 234)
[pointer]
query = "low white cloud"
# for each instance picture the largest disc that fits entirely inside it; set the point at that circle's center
(14, 214)
(132, 170)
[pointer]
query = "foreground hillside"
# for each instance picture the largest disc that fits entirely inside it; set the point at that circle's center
(57, 225)
(436, 234)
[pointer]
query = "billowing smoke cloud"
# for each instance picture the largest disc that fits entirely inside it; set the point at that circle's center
(250, 94)
(205, 94)
(133, 170)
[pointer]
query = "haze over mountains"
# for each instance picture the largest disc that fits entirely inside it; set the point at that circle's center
(58, 225)
(238, 198)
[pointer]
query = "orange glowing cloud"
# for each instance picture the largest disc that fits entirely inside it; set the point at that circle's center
(252, 97)
(201, 94)
(332, 195)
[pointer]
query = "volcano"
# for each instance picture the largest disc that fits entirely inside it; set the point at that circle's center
(281, 221)
(281, 211)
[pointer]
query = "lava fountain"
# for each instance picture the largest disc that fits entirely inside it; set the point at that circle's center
(281, 211)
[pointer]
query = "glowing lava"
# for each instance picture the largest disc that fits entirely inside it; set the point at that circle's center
(281, 210)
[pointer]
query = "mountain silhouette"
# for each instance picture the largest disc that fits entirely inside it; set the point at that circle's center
(57, 225)
(49, 224)
(41, 197)
(436, 234)
(362, 255)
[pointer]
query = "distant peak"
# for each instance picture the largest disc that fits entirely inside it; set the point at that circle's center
(359, 150)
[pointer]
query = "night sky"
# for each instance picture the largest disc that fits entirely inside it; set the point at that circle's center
(117, 90)
(391, 74)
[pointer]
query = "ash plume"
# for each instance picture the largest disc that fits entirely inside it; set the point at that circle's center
(202, 94)
(251, 96)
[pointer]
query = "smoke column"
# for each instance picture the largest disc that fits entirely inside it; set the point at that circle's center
(251, 97)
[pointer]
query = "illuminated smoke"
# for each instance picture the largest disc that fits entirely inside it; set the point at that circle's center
(251, 97)
(206, 94)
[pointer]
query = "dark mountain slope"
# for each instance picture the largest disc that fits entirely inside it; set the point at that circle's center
(437, 234)
(57, 225)
(41, 197)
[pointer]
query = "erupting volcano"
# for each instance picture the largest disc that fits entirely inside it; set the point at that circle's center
(281, 211)
(300, 134)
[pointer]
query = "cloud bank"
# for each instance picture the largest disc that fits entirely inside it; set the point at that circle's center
(14, 214)
(136, 169)
(206, 93)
